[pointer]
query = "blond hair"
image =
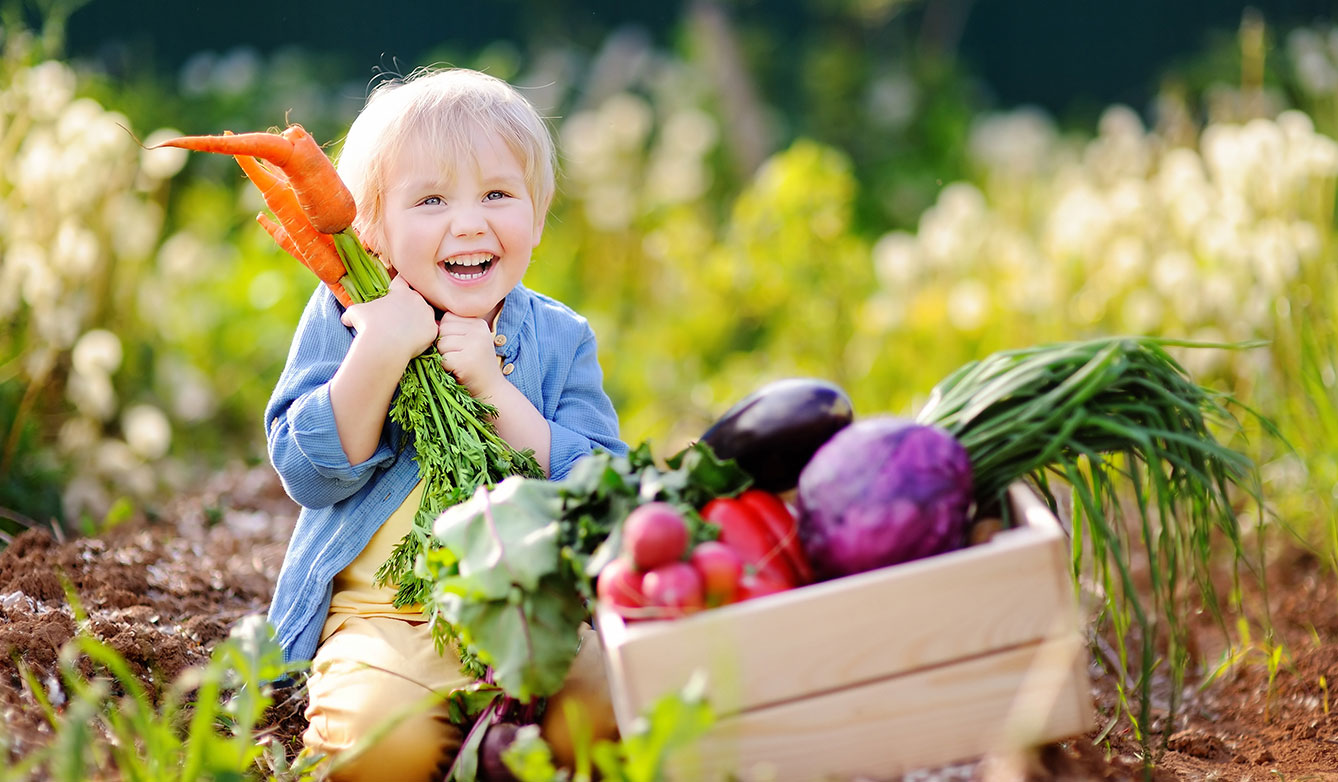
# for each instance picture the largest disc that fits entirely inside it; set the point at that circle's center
(440, 111)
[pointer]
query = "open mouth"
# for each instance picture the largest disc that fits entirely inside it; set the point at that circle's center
(469, 267)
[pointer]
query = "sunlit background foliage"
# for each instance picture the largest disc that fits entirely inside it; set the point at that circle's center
(871, 218)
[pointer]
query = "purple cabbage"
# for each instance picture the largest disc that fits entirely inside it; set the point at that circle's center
(883, 491)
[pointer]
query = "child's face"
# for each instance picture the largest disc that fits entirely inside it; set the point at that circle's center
(461, 240)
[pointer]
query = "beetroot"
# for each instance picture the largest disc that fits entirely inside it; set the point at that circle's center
(880, 492)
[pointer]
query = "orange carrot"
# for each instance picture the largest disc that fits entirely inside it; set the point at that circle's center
(320, 192)
(315, 249)
(285, 241)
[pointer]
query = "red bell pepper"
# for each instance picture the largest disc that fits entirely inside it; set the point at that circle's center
(784, 528)
(755, 528)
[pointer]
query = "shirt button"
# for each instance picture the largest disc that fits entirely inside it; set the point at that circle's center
(508, 369)
(499, 340)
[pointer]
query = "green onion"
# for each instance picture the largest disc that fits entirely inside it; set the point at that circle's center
(1107, 415)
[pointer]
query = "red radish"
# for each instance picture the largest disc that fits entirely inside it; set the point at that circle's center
(675, 587)
(720, 568)
(655, 534)
(759, 584)
(620, 585)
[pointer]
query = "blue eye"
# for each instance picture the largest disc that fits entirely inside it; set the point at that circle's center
(494, 195)
(433, 201)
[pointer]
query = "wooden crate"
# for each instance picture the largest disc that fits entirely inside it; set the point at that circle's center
(920, 664)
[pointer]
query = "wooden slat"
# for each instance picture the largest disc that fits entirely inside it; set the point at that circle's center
(927, 718)
(856, 629)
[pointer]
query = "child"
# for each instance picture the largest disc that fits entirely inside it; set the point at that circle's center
(453, 174)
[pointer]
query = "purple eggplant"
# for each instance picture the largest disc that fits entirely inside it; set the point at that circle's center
(774, 431)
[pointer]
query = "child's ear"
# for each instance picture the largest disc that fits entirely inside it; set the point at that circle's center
(539, 229)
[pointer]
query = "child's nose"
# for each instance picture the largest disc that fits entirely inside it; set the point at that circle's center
(468, 222)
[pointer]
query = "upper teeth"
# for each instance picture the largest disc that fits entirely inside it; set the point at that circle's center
(473, 259)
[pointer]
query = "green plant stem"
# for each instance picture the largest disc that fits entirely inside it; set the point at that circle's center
(16, 426)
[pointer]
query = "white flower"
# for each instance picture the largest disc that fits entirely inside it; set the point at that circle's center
(953, 227)
(1142, 311)
(584, 142)
(627, 120)
(1173, 275)
(896, 259)
(1077, 222)
(882, 312)
(78, 435)
(671, 180)
(1263, 148)
(236, 71)
(690, 131)
(92, 394)
(134, 225)
(37, 168)
(1020, 142)
(41, 286)
(265, 289)
(1314, 70)
(1219, 293)
(49, 86)
(1319, 157)
(1223, 154)
(76, 251)
(1127, 202)
(98, 352)
(113, 458)
(1305, 239)
(893, 99)
(182, 256)
(1274, 255)
(39, 362)
(1181, 188)
(164, 162)
(192, 397)
(968, 304)
(194, 77)
(78, 121)
(20, 259)
(1121, 148)
(610, 207)
(1125, 262)
(59, 326)
(85, 495)
(147, 430)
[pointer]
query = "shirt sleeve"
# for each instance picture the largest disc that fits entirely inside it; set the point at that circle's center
(300, 428)
(585, 418)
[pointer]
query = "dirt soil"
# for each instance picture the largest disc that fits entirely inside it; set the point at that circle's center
(163, 592)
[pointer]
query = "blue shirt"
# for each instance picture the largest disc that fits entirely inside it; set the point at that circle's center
(552, 352)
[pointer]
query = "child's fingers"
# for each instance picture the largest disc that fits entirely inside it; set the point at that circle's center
(455, 325)
(456, 343)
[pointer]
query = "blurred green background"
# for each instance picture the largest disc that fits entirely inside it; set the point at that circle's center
(868, 191)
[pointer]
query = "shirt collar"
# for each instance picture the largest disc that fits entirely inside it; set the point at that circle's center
(510, 320)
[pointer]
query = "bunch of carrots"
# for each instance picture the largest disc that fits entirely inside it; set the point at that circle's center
(458, 448)
(314, 209)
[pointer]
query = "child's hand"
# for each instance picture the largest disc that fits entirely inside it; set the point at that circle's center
(400, 323)
(467, 352)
